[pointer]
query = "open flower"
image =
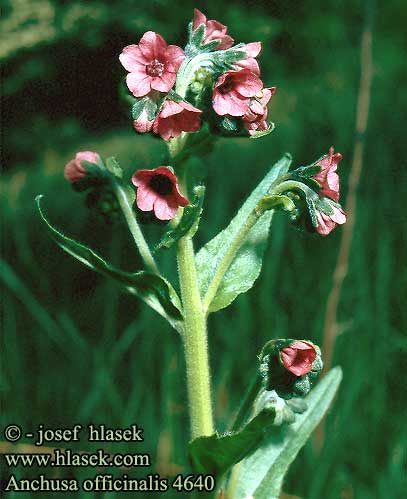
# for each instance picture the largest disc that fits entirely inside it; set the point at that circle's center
(158, 191)
(233, 91)
(255, 118)
(252, 50)
(329, 218)
(152, 64)
(176, 117)
(74, 170)
(298, 357)
(214, 31)
(327, 177)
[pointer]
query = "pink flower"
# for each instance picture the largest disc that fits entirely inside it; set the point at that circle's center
(327, 223)
(74, 169)
(152, 64)
(142, 124)
(176, 117)
(327, 177)
(255, 118)
(298, 357)
(252, 50)
(233, 91)
(158, 191)
(214, 30)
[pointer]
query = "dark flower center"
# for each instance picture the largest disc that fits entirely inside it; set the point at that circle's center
(155, 68)
(161, 184)
(226, 86)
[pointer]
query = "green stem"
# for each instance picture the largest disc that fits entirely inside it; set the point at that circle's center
(292, 185)
(195, 343)
(228, 259)
(135, 230)
(246, 407)
(195, 331)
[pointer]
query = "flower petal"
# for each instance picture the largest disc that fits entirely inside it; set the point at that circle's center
(165, 208)
(153, 45)
(138, 86)
(199, 19)
(231, 103)
(132, 58)
(173, 58)
(145, 198)
(163, 83)
(247, 83)
(170, 108)
(142, 177)
(252, 49)
(250, 63)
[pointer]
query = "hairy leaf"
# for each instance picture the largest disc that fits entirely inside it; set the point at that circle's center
(262, 473)
(153, 289)
(246, 264)
(217, 453)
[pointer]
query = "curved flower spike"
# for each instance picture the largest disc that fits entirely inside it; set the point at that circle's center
(158, 191)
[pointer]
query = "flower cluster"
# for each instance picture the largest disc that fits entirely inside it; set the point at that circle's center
(237, 93)
(330, 213)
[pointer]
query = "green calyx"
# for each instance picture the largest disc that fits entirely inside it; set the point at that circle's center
(277, 377)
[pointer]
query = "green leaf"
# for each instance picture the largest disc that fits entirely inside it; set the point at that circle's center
(217, 453)
(189, 221)
(145, 104)
(138, 107)
(197, 36)
(246, 264)
(151, 109)
(262, 473)
(153, 289)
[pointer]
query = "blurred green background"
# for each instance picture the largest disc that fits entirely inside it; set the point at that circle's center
(73, 349)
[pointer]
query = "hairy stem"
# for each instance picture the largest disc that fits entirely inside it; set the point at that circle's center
(195, 331)
(135, 230)
(195, 343)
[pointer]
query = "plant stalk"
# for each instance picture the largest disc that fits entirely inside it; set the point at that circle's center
(195, 331)
(195, 343)
(135, 230)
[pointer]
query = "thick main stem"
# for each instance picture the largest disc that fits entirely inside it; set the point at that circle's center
(195, 343)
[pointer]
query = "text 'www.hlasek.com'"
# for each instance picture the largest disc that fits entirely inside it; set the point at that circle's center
(53, 464)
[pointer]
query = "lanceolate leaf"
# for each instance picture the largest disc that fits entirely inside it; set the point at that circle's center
(261, 474)
(151, 288)
(188, 223)
(246, 265)
(217, 453)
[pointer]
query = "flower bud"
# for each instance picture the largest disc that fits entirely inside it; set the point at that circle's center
(290, 366)
(75, 170)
